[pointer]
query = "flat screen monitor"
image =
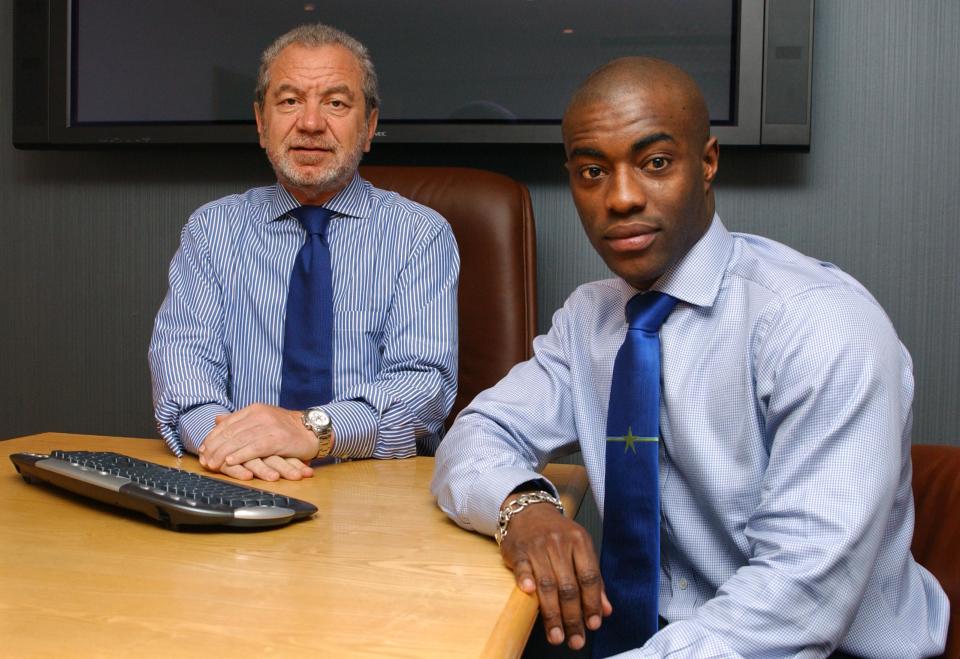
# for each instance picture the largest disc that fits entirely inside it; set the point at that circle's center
(498, 71)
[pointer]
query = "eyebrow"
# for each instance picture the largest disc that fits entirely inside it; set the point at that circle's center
(338, 89)
(286, 87)
(642, 144)
(586, 152)
(639, 145)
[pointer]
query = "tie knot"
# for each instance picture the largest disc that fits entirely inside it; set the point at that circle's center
(313, 218)
(647, 311)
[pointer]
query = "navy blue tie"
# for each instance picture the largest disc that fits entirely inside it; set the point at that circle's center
(630, 554)
(307, 372)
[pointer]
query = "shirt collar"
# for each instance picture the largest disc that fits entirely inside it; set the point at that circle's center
(352, 201)
(696, 278)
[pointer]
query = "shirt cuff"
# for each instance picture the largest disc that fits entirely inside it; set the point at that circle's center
(354, 428)
(489, 492)
(197, 423)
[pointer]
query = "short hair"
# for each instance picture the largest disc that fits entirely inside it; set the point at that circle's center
(315, 35)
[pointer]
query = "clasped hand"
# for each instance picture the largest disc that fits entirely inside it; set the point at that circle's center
(261, 441)
(553, 557)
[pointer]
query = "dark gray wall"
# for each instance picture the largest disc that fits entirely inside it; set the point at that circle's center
(86, 235)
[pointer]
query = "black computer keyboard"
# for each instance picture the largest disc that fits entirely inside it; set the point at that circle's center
(173, 496)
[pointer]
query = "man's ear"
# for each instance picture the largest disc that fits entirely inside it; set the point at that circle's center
(371, 128)
(711, 162)
(259, 118)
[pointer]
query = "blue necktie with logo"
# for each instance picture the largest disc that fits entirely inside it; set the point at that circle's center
(307, 371)
(630, 554)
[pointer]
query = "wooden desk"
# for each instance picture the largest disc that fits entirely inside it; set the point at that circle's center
(379, 572)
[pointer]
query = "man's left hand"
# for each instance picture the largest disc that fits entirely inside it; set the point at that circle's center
(553, 557)
(254, 441)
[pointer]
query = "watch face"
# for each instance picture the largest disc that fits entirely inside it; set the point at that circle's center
(318, 418)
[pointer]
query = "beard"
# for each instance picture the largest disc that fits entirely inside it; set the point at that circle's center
(332, 178)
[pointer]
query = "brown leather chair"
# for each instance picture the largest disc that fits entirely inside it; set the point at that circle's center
(936, 533)
(492, 220)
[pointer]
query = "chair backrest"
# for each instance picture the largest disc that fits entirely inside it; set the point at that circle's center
(936, 533)
(492, 220)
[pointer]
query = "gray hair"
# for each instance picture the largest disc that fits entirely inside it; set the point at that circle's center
(315, 35)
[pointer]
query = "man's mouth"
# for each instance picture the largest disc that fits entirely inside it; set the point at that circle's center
(312, 148)
(630, 237)
(306, 154)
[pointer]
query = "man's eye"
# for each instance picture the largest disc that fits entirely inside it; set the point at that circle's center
(591, 172)
(658, 163)
(288, 101)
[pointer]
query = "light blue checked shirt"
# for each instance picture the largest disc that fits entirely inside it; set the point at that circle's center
(786, 504)
(218, 339)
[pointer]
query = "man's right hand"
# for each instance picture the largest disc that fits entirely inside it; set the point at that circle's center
(270, 468)
(553, 557)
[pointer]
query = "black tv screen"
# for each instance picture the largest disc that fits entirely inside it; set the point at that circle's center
(494, 71)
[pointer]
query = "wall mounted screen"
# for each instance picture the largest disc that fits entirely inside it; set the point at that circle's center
(501, 71)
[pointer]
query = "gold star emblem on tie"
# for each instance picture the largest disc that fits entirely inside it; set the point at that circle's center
(629, 440)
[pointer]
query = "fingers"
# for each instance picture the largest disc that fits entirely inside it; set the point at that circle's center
(290, 469)
(523, 573)
(306, 471)
(237, 471)
(554, 557)
(555, 608)
(234, 453)
(562, 598)
(538, 579)
(271, 468)
(593, 598)
(260, 469)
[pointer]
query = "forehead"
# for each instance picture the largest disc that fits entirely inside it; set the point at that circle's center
(622, 119)
(304, 66)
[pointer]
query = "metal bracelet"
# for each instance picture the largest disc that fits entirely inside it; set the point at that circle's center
(517, 504)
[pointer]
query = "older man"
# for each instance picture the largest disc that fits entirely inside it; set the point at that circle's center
(316, 316)
(743, 412)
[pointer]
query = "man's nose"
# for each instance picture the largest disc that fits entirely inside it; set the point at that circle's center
(312, 118)
(626, 193)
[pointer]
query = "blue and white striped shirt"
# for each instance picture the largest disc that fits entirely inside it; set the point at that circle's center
(218, 339)
(786, 504)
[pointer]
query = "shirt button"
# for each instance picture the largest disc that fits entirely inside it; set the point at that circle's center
(683, 583)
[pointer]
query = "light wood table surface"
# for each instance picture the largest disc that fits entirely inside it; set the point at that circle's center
(379, 572)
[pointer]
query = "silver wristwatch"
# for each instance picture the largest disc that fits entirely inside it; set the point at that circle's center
(517, 504)
(318, 422)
